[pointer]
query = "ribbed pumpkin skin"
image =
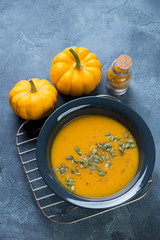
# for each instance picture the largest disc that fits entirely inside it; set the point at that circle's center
(33, 105)
(70, 81)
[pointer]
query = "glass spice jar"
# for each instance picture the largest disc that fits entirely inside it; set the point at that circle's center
(119, 75)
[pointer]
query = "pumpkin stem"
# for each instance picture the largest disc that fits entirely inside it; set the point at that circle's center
(33, 87)
(77, 64)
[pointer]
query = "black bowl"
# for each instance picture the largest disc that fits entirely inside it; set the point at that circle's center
(110, 108)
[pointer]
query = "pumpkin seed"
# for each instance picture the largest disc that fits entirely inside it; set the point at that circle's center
(80, 154)
(106, 165)
(95, 157)
(126, 134)
(72, 171)
(96, 164)
(99, 146)
(90, 164)
(111, 151)
(86, 165)
(72, 188)
(81, 166)
(67, 178)
(101, 172)
(104, 147)
(62, 171)
(74, 161)
(95, 161)
(115, 138)
(57, 170)
(107, 158)
(71, 180)
(62, 165)
(68, 184)
(108, 145)
(93, 169)
(108, 134)
(124, 146)
(128, 145)
(69, 158)
(81, 161)
(129, 140)
(121, 149)
(114, 155)
(120, 144)
(66, 169)
(103, 157)
(77, 149)
(108, 149)
(94, 151)
(111, 139)
(85, 159)
(132, 145)
(110, 164)
(119, 139)
(102, 143)
(91, 158)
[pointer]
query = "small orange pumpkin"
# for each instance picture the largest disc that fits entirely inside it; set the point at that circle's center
(76, 71)
(33, 99)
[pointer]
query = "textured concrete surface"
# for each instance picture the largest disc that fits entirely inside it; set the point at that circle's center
(31, 34)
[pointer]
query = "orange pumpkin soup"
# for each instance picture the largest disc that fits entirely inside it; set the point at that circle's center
(94, 156)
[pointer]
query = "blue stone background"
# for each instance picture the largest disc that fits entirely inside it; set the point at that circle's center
(31, 34)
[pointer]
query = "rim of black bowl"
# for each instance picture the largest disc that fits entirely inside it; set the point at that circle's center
(147, 150)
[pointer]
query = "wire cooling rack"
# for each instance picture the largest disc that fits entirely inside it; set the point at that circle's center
(53, 208)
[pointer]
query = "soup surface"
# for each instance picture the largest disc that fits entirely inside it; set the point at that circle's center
(94, 156)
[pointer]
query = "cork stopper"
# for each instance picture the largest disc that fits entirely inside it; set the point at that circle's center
(124, 62)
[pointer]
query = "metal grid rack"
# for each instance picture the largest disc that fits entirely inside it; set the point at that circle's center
(53, 208)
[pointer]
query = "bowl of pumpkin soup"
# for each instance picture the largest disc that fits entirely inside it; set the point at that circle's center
(95, 152)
